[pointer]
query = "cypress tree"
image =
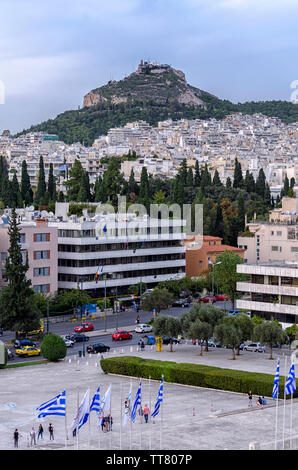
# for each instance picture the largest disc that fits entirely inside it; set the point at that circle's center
(216, 179)
(26, 190)
(241, 212)
(16, 196)
(260, 183)
(52, 185)
(41, 186)
(238, 178)
(132, 186)
(228, 182)
(197, 175)
(144, 194)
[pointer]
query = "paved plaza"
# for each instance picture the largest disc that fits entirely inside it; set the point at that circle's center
(193, 418)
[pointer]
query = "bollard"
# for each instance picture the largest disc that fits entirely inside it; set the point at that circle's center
(193, 412)
(69, 360)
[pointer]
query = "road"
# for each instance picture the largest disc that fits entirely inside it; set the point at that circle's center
(125, 319)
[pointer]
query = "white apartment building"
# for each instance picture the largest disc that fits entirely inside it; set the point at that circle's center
(273, 291)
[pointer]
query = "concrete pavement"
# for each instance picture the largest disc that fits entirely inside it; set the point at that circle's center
(192, 418)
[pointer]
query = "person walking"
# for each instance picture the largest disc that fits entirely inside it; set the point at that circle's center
(102, 423)
(32, 437)
(141, 413)
(146, 413)
(40, 432)
(142, 345)
(16, 438)
(138, 319)
(250, 398)
(111, 423)
(51, 431)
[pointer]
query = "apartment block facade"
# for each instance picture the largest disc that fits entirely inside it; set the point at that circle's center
(272, 289)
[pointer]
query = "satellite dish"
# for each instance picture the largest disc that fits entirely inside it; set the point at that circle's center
(294, 344)
(31, 208)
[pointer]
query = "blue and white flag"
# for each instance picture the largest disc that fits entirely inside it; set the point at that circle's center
(159, 400)
(56, 406)
(136, 403)
(106, 401)
(290, 386)
(127, 407)
(95, 404)
(276, 383)
(83, 413)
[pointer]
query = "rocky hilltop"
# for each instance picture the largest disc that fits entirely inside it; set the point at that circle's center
(151, 81)
(152, 93)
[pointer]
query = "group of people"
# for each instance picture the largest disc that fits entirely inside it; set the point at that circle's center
(106, 423)
(141, 344)
(144, 412)
(261, 401)
(32, 435)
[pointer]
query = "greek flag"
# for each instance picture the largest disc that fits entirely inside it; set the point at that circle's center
(136, 403)
(83, 412)
(56, 406)
(127, 407)
(276, 383)
(159, 400)
(95, 404)
(290, 386)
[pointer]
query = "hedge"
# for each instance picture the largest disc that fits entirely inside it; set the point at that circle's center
(194, 374)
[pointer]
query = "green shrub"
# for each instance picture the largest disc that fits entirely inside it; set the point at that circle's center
(53, 347)
(193, 374)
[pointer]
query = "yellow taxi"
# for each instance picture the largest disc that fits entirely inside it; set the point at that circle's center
(28, 351)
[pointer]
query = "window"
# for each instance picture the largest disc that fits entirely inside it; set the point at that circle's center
(41, 254)
(294, 249)
(279, 234)
(201, 264)
(274, 248)
(42, 288)
(41, 272)
(22, 238)
(3, 256)
(41, 237)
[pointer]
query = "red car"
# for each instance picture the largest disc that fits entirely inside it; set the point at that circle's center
(84, 327)
(207, 299)
(220, 297)
(120, 335)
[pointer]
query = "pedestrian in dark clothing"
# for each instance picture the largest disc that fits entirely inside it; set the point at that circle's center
(138, 319)
(111, 423)
(40, 432)
(51, 431)
(102, 423)
(250, 398)
(16, 438)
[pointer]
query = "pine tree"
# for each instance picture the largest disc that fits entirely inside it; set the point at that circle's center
(41, 186)
(18, 308)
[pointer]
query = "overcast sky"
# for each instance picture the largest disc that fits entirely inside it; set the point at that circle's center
(54, 52)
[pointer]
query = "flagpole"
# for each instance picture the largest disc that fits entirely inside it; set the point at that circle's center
(150, 422)
(284, 404)
(276, 410)
(65, 423)
(161, 415)
(110, 419)
(77, 423)
(121, 416)
(89, 418)
(130, 447)
(291, 422)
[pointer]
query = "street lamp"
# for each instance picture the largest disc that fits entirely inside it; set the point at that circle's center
(213, 264)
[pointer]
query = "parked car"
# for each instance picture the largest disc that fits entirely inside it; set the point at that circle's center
(120, 335)
(207, 299)
(10, 354)
(97, 348)
(220, 297)
(181, 303)
(20, 343)
(143, 328)
(79, 337)
(28, 351)
(255, 347)
(84, 327)
(148, 339)
(69, 343)
(167, 339)
(232, 313)
(213, 344)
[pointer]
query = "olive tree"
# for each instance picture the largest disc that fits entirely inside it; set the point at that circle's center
(167, 326)
(269, 333)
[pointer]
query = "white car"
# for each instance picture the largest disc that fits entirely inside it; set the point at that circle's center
(69, 343)
(255, 347)
(143, 328)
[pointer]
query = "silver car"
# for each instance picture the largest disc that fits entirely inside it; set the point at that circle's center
(255, 347)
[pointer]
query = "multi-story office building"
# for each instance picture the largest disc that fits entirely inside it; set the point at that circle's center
(273, 291)
(112, 252)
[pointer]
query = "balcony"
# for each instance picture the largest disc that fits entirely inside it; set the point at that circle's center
(267, 289)
(267, 307)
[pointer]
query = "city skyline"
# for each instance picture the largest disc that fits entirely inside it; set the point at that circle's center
(239, 50)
